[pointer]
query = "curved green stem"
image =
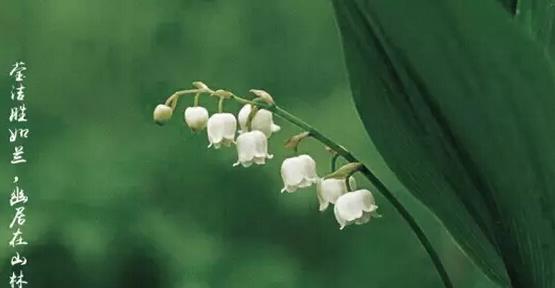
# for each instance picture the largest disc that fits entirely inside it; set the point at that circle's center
(340, 150)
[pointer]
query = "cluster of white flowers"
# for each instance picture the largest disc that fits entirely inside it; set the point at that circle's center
(256, 126)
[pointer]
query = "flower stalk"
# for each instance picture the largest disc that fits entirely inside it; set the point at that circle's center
(265, 101)
(197, 99)
(333, 160)
(221, 105)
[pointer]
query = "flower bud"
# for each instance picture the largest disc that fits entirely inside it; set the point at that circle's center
(201, 86)
(252, 147)
(328, 190)
(346, 170)
(221, 129)
(355, 207)
(261, 121)
(196, 117)
(263, 95)
(162, 114)
(298, 172)
(294, 141)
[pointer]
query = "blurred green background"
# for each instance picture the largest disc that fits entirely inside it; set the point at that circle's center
(116, 201)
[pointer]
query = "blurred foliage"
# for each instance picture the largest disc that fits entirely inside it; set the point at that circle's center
(116, 201)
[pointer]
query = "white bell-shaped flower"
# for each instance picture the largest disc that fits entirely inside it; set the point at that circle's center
(162, 114)
(196, 117)
(221, 129)
(262, 121)
(355, 207)
(252, 147)
(298, 172)
(328, 190)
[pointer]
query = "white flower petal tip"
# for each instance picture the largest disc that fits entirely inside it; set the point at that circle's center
(275, 128)
(221, 128)
(196, 118)
(252, 147)
(262, 121)
(328, 190)
(246, 165)
(323, 207)
(356, 207)
(162, 114)
(289, 189)
(298, 172)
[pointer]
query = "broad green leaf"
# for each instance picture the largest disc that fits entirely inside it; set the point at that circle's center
(537, 18)
(460, 102)
(510, 5)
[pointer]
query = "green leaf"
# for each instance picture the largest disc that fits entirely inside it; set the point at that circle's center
(460, 102)
(510, 5)
(537, 18)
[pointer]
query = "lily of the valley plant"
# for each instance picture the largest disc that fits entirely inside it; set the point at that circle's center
(250, 132)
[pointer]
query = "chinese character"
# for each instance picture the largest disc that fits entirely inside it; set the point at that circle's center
(17, 239)
(19, 217)
(18, 113)
(18, 155)
(18, 196)
(20, 94)
(18, 132)
(17, 70)
(18, 260)
(17, 281)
